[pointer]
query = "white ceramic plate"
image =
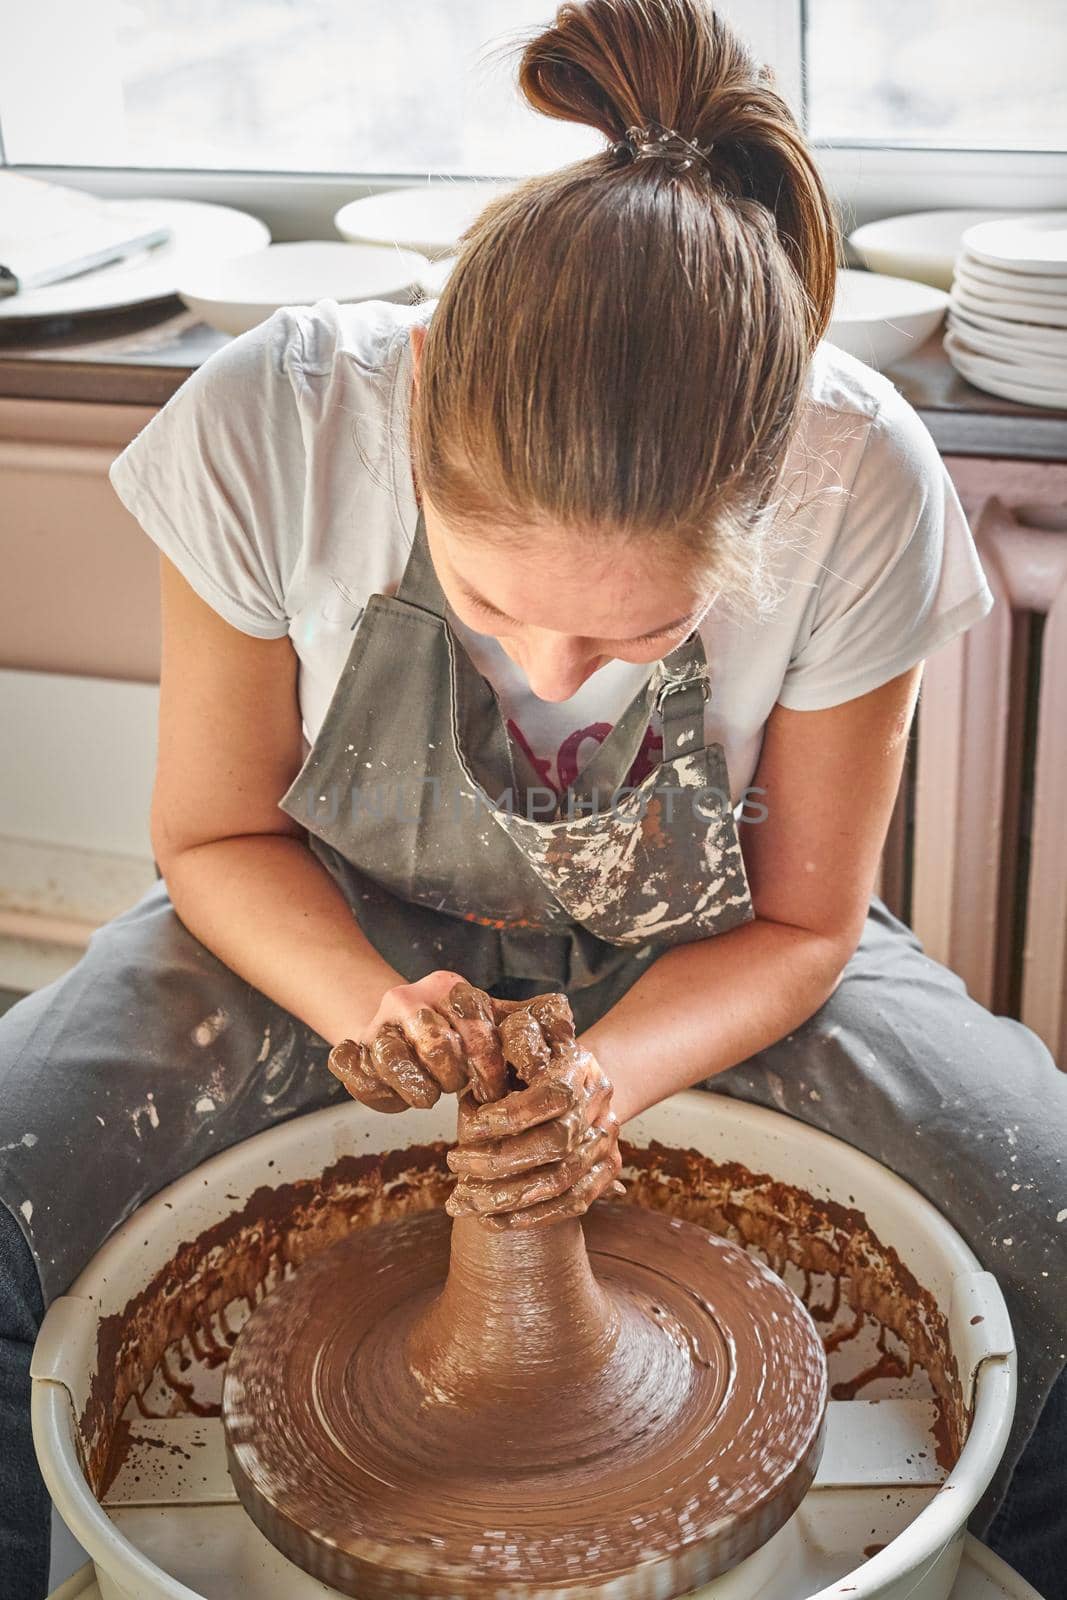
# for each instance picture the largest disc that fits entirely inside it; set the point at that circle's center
(922, 245)
(427, 217)
(1019, 293)
(982, 342)
(1034, 300)
(881, 319)
(1005, 366)
(1051, 316)
(1025, 335)
(1036, 242)
(1007, 278)
(238, 293)
(202, 235)
(1009, 388)
(1041, 371)
(1041, 374)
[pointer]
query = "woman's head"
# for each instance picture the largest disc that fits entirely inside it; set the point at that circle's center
(616, 364)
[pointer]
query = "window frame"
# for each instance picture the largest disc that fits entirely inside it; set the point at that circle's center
(868, 179)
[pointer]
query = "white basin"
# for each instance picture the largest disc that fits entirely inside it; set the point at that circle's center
(881, 1519)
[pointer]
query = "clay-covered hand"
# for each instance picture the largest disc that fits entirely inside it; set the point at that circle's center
(435, 1036)
(549, 1149)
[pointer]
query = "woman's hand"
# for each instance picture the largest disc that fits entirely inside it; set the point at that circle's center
(545, 1151)
(426, 1038)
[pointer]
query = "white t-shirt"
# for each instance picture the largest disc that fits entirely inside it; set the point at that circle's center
(278, 480)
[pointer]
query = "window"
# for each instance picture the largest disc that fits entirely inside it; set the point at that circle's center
(955, 74)
(289, 108)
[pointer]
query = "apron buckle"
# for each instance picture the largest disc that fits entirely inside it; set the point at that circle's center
(671, 685)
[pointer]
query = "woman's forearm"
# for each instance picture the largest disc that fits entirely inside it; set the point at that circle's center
(705, 1006)
(267, 908)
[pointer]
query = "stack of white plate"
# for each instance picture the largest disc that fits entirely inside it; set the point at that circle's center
(1007, 316)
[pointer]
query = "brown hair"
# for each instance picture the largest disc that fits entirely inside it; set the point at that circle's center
(621, 347)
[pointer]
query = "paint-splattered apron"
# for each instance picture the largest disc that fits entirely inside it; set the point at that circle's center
(151, 1055)
(432, 821)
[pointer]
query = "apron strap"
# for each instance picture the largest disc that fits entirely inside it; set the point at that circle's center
(419, 585)
(498, 761)
(678, 688)
(680, 701)
(607, 767)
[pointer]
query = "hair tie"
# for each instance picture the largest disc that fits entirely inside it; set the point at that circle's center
(657, 140)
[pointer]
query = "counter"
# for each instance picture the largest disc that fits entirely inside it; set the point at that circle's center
(140, 357)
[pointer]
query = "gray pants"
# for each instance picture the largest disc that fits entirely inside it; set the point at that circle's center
(151, 1055)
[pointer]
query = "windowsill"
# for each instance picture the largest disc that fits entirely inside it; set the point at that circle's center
(137, 357)
(142, 357)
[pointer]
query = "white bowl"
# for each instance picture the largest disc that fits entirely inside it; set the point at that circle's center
(982, 1576)
(236, 294)
(428, 217)
(922, 245)
(881, 319)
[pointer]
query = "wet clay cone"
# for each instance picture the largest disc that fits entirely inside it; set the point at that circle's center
(620, 1405)
(520, 1317)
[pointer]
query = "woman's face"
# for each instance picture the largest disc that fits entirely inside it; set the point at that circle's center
(560, 611)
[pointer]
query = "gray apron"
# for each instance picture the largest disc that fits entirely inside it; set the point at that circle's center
(432, 822)
(151, 1055)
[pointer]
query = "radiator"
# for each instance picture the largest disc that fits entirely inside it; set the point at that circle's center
(976, 858)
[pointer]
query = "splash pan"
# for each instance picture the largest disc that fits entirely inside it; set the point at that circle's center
(128, 1368)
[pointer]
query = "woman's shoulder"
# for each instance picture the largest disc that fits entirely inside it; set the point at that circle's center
(262, 449)
(365, 338)
(859, 438)
(299, 348)
(854, 404)
(838, 381)
(879, 567)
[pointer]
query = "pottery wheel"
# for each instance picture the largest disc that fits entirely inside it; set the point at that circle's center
(623, 1405)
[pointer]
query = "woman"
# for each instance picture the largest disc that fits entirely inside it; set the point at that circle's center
(560, 634)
